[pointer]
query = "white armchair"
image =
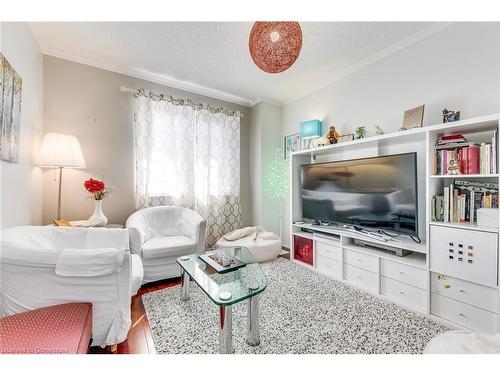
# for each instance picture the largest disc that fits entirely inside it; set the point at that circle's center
(162, 234)
(28, 259)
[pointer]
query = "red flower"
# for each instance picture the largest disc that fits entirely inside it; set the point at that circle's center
(94, 186)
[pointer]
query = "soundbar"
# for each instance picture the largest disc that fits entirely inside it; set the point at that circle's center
(389, 249)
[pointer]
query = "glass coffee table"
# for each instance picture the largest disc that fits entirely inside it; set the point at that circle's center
(227, 289)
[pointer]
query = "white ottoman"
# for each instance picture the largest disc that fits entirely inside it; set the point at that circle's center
(263, 250)
(463, 342)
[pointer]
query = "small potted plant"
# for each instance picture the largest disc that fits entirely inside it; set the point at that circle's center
(98, 191)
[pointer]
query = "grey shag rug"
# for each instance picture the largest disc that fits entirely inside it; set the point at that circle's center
(301, 312)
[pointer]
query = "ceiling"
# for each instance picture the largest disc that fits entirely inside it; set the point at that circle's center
(212, 58)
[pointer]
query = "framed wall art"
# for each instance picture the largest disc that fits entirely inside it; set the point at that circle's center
(291, 143)
(414, 117)
(10, 111)
(346, 138)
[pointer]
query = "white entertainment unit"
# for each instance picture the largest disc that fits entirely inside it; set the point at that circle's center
(431, 280)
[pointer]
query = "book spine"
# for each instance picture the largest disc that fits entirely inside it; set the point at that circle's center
(450, 203)
(446, 204)
(441, 208)
(465, 157)
(488, 159)
(494, 152)
(482, 157)
(433, 209)
(471, 207)
(473, 160)
(456, 213)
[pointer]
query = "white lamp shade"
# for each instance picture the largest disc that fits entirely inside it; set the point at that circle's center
(61, 150)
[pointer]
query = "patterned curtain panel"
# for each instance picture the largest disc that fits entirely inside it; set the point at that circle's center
(188, 157)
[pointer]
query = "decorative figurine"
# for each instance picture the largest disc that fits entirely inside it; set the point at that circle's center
(360, 132)
(453, 167)
(450, 116)
(332, 136)
(379, 130)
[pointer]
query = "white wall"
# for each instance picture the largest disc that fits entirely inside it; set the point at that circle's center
(87, 102)
(265, 139)
(457, 68)
(21, 183)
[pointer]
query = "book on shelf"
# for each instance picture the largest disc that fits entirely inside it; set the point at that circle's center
(461, 200)
(473, 158)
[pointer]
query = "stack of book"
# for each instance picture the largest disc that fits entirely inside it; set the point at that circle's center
(461, 200)
(473, 158)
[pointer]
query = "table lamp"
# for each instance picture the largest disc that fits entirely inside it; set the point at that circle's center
(61, 151)
(310, 129)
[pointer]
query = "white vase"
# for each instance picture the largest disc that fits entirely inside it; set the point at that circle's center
(98, 216)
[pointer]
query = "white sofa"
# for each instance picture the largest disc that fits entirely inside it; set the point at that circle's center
(28, 257)
(159, 235)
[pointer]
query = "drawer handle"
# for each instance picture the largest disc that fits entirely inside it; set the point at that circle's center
(402, 273)
(401, 292)
(462, 315)
(359, 260)
(461, 291)
(359, 277)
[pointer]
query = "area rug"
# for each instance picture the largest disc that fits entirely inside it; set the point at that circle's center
(301, 311)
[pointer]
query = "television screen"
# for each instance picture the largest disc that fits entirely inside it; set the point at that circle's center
(379, 192)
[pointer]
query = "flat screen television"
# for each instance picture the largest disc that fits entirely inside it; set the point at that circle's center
(378, 192)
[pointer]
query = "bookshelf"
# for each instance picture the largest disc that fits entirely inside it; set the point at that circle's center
(334, 250)
(454, 199)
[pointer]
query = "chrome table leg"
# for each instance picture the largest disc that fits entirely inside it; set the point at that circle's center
(225, 329)
(184, 286)
(253, 335)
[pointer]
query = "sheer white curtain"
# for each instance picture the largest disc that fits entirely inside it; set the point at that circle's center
(188, 157)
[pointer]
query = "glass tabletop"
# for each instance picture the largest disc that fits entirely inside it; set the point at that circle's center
(242, 283)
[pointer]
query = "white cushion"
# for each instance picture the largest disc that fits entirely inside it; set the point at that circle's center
(262, 250)
(167, 246)
(240, 233)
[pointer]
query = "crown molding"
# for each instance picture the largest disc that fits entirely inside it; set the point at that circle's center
(412, 39)
(221, 95)
(141, 74)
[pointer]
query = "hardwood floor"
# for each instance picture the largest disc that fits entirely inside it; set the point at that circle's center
(139, 340)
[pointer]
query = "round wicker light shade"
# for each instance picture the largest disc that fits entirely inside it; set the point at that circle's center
(274, 46)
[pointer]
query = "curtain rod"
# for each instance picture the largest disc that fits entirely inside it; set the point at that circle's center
(179, 101)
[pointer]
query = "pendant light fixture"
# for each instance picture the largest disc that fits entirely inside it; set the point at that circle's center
(274, 46)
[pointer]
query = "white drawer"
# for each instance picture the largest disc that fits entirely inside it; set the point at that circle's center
(474, 294)
(329, 266)
(465, 315)
(364, 279)
(328, 250)
(361, 260)
(404, 273)
(403, 293)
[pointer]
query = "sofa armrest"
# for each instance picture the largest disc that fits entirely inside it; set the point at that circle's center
(201, 229)
(195, 227)
(137, 232)
(30, 286)
(17, 254)
(137, 238)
